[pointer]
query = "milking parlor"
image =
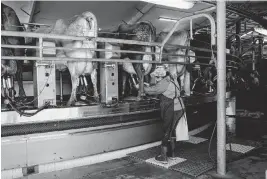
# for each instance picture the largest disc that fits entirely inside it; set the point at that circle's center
(146, 89)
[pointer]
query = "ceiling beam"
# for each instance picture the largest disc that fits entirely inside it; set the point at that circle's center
(140, 13)
(244, 13)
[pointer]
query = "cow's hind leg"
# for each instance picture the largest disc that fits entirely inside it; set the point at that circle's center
(75, 83)
(140, 74)
(94, 81)
(141, 93)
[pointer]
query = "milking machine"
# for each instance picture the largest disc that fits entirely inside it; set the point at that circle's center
(8, 87)
(83, 86)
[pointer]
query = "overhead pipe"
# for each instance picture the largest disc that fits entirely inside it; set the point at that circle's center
(209, 17)
(221, 87)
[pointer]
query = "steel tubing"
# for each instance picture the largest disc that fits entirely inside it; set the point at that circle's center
(209, 17)
(62, 59)
(221, 87)
(66, 37)
(101, 50)
(92, 49)
(119, 51)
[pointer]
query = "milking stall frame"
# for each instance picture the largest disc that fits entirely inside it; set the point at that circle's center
(84, 135)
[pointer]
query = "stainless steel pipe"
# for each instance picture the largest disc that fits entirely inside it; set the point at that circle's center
(221, 87)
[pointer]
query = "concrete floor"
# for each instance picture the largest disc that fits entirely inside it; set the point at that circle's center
(250, 167)
(124, 168)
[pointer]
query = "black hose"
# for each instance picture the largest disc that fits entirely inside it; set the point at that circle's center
(9, 101)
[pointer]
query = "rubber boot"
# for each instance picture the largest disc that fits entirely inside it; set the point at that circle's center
(171, 148)
(163, 156)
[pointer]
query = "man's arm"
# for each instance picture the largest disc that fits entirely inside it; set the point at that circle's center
(159, 88)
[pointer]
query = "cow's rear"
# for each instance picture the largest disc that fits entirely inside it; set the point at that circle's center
(82, 25)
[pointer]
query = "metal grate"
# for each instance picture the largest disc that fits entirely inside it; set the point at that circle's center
(196, 140)
(193, 168)
(170, 163)
(239, 148)
(196, 158)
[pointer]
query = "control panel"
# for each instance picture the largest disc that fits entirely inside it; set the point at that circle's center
(109, 90)
(44, 78)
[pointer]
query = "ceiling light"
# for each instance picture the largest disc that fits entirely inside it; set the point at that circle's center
(167, 19)
(181, 4)
(261, 31)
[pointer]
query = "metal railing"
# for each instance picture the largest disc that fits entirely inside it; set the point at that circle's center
(94, 37)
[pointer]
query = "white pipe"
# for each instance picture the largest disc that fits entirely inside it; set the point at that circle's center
(40, 47)
(191, 29)
(210, 18)
(221, 87)
(67, 37)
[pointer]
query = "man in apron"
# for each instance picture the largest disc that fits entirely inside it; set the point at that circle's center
(172, 110)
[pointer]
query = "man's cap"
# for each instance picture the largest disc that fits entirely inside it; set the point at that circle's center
(160, 71)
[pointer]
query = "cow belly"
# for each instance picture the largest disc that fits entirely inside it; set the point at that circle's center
(128, 67)
(80, 53)
(80, 68)
(77, 67)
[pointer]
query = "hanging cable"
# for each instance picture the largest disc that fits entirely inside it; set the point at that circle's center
(10, 102)
(39, 92)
